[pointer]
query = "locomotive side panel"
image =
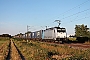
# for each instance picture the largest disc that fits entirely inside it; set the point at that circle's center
(49, 34)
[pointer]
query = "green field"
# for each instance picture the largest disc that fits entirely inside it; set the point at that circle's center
(42, 51)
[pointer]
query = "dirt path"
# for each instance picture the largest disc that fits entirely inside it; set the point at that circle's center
(14, 53)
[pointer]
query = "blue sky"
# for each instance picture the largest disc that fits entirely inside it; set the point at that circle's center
(15, 15)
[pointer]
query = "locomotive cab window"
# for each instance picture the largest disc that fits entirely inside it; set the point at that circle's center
(61, 30)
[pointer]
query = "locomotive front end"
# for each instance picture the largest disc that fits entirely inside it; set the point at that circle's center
(61, 34)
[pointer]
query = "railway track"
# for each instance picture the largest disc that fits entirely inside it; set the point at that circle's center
(14, 53)
(78, 45)
(72, 45)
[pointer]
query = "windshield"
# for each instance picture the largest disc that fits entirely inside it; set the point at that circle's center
(61, 30)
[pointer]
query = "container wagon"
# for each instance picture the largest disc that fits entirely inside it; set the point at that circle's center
(40, 34)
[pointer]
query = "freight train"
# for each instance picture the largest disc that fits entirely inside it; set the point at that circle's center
(54, 34)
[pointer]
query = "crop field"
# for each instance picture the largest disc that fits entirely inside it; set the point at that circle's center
(4, 43)
(35, 50)
(13, 49)
(8, 50)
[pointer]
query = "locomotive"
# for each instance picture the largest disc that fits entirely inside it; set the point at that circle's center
(56, 34)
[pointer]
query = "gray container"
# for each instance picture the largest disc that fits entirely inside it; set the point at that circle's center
(39, 34)
(29, 35)
(33, 35)
(23, 36)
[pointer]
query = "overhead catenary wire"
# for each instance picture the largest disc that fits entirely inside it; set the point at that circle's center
(77, 20)
(79, 12)
(81, 16)
(86, 15)
(75, 13)
(77, 16)
(78, 6)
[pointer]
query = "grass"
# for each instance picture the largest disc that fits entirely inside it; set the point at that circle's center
(31, 50)
(43, 51)
(4, 48)
(3, 40)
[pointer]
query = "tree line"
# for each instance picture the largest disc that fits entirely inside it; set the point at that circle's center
(82, 31)
(5, 35)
